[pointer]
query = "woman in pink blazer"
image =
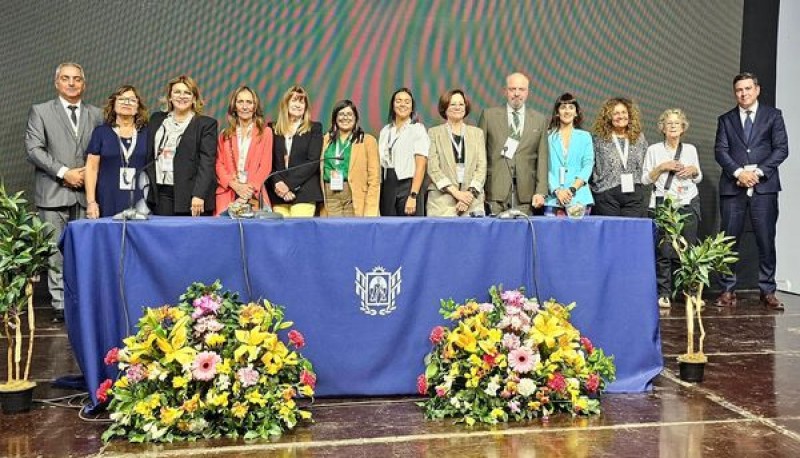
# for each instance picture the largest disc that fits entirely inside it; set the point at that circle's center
(244, 152)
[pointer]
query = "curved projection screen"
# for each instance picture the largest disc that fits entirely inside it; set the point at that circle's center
(660, 53)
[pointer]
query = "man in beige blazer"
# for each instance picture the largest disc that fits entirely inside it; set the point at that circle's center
(516, 143)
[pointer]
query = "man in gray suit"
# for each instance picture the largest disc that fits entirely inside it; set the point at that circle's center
(56, 138)
(516, 144)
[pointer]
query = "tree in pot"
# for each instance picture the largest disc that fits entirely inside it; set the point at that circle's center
(25, 246)
(696, 263)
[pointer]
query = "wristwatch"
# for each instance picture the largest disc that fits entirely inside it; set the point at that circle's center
(573, 190)
(474, 192)
(413, 195)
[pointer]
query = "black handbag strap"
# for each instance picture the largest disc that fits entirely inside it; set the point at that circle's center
(671, 175)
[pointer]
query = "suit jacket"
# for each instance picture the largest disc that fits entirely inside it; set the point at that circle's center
(302, 181)
(768, 148)
(530, 160)
(363, 175)
(258, 165)
(51, 144)
(442, 169)
(193, 166)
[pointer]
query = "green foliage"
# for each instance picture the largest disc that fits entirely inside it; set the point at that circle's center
(25, 246)
(697, 262)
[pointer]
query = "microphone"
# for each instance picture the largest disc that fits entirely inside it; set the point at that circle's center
(132, 213)
(513, 212)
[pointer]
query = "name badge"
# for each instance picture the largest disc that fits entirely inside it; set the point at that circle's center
(510, 148)
(627, 182)
(126, 178)
(460, 173)
(562, 175)
(165, 158)
(337, 181)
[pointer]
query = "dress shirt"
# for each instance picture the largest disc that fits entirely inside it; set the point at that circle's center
(411, 140)
(682, 189)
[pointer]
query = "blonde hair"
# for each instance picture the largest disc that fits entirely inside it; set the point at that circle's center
(283, 125)
(669, 112)
(197, 103)
(603, 126)
(258, 113)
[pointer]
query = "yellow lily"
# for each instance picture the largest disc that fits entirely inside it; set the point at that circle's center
(250, 343)
(175, 348)
(546, 330)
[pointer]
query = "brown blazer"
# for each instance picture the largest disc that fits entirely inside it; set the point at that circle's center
(363, 176)
(442, 170)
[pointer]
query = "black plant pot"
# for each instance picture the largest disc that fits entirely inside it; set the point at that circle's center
(691, 372)
(17, 401)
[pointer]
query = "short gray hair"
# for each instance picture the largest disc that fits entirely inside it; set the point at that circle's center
(69, 64)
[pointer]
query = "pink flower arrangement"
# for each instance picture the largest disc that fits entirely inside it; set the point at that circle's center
(587, 345)
(297, 339)
(511, 341)
(557, 383)
(521, 360)
(207, 324)
(204, 366)
(103, 390)
(513, 297)
(112, 357)
(422, 384)
(437, 334)
(136, 373)
(247, 376)
(513, 406)
(592, 383)
(205, 305)
(441, 391)
(486, 307)
(308, 378)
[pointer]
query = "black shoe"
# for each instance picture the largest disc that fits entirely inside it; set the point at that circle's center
(58, 316)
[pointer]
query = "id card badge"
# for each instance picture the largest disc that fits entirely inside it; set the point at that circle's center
(562, 175)
(627, 182)
(337, 181)
(460, 173)
(126, 178)
(510, 148)
(166, 157)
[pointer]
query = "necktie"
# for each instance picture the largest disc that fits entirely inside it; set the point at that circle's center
(515, 133)
(748, 125)
(73, 116)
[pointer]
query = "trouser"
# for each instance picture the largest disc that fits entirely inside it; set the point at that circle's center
(394, 194)
(165, 203)
(614, 202)
(666, 259)
(339, 203)
(763, 219)
(58, 217)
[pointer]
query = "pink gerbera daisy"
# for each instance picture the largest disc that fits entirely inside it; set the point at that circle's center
(521, 359)
(204, 366)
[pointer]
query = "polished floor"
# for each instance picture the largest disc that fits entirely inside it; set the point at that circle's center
(748, 406)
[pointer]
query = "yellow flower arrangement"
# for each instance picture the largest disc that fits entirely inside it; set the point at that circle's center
(208, 367)
(511, 359)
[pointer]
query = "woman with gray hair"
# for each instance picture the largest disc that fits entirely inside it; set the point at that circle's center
(674, 170)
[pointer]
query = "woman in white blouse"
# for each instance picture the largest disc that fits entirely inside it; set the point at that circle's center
(674, 170)
(403, 145)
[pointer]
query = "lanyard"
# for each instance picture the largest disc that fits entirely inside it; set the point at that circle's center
(623, 152)
(458, 146)
(126, 153)
(397, 137)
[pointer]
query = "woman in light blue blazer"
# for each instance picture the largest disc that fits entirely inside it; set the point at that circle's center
(571, 159)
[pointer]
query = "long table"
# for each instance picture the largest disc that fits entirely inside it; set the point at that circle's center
(365, 292)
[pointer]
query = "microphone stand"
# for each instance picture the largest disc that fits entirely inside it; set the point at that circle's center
(131, 213)
(513, 212)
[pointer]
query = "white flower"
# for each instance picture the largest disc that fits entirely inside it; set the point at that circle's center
(486, 307)
(526, 387)
(223, 382)
(492, 387)
(455, 402)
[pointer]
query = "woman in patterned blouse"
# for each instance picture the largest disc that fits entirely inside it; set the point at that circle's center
(619, 148)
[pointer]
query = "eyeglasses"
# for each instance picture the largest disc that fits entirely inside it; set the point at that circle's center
(343, 115)
(128, 100)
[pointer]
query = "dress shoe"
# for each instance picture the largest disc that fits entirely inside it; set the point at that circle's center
(771, 302)
(58, 316)
(726, 299)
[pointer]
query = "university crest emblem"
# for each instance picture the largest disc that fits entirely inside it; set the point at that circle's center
(378, 290)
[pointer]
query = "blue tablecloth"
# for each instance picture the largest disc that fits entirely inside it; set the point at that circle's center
(317, 269)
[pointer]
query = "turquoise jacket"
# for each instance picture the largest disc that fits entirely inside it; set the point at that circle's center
(577, 163)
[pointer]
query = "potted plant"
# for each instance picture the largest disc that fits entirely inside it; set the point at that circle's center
(25, 246)
(696, 263)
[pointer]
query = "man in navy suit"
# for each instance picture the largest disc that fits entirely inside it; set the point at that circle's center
(751, 144)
